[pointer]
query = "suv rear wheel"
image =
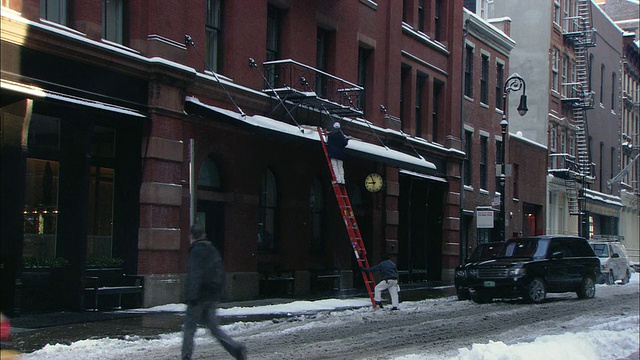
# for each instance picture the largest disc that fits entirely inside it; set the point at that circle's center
(610, 278)
(536, 291)
(627, 277)
(587, 289)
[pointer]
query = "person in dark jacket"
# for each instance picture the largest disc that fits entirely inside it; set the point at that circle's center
(205, 272)
(336, 143)
(389, 273)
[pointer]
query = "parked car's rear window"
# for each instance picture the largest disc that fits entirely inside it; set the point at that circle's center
(601, 250)
(525, 248)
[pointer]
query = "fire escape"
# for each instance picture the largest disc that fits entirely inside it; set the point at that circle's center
(577, 170)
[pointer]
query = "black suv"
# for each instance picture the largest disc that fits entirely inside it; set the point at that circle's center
(482, 252)
(530, 267)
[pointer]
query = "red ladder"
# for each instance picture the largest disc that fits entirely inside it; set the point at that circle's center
(350, 223)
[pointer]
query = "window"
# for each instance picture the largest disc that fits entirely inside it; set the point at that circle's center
(209, 175)
(516, 181)
(437, 105)
(601, 83)
(40, 214)
(113, 20)
(468, 72)
(421, 18)
(405, 11)
(322, 60)
(364, 60)
(565, 14)
(213, 35)
(590, 71)
(556, 12)
(601, 167)
(552, 138)
(613, 162)
(554, 69)
(499, 81)
(498, 161)
(405, 76)
(41, 208)
(438, 20)
(273, 32)
(267, 236)
(613, 91)
(100, 235)
(316, 205)
(484, 80)
(484, 9)
(421, 82)
(572, 145)
(563, 142)
(54, 10)
(483, 161)
(565, 73)
(468, 146)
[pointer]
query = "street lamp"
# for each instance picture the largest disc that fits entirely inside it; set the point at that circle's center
(514, 83)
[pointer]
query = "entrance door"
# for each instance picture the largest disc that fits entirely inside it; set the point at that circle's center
(211, 214)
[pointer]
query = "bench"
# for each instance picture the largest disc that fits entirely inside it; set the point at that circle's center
(323, 279)
(274, 281)
(112, 283)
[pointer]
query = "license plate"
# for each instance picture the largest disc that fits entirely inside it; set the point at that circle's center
(489, 284)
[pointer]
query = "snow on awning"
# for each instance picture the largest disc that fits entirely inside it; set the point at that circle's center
(37, 92)
(355, 146)
(424, 176)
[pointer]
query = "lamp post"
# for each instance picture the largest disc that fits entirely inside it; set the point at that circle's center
(514, 83)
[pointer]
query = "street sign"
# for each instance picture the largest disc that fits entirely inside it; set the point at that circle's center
(484, 219)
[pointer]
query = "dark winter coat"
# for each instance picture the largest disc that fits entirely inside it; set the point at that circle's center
(205, 273)
(387, 269)
(336, 143)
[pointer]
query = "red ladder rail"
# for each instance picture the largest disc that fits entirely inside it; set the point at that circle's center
(350, 223)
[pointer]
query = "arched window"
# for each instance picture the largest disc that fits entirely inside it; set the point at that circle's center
(268, 210)
(315, 216)
(209, 175)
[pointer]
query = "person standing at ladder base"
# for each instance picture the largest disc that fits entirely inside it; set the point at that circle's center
(205, 272)
(336, 143)
(389, 282)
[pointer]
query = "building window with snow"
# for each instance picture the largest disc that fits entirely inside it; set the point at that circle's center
(113, 20)
(213, 35)
(54, 10)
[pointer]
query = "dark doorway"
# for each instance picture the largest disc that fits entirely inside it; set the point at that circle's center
(211, 214)
(420, 231)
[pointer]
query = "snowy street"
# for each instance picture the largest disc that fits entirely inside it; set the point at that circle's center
(562, 327)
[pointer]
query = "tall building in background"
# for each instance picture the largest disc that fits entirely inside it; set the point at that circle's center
(486, 74)
(579, 109)
(624, 13)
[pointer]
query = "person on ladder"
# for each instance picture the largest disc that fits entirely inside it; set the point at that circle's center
(389, 273)
(336, 143)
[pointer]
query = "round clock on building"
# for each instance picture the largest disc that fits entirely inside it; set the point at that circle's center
(373, 182)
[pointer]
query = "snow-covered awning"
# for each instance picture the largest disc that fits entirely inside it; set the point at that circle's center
(356, 147)
(423, 176)
(39, 93)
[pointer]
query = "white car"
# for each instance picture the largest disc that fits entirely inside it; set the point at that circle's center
(614, 264)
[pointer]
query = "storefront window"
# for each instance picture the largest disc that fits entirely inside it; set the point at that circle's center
(100, 212)
(41, 209)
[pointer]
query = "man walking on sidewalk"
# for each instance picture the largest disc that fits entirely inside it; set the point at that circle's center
(205, 272)
(389, 273)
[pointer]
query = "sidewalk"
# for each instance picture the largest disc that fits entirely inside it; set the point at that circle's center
(31, 332)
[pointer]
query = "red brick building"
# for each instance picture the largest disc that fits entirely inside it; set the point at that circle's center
(122, 123)
(486, 71)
